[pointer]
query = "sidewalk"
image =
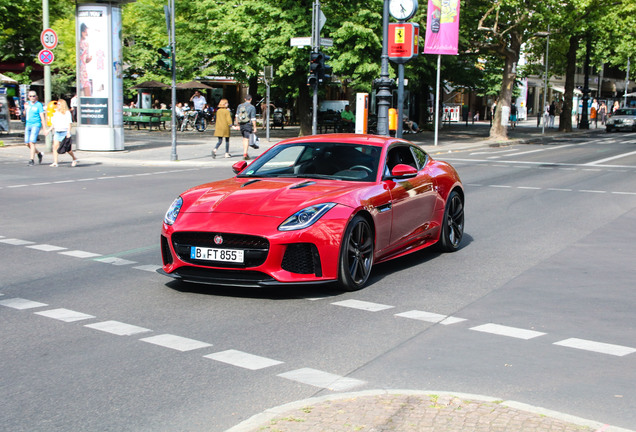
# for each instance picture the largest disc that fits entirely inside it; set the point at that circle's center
(154, 148)
(414, 411)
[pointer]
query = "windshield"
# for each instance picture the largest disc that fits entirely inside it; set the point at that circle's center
(337, 161)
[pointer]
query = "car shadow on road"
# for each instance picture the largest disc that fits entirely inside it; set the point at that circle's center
(295, 292)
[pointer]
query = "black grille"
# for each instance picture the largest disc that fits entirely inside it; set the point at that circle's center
(165, 251)
(302, 258)
(255, 248)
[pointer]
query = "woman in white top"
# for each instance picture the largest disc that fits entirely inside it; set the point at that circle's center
(61, 122)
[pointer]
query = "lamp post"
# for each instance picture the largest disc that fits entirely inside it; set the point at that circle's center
(384, 84)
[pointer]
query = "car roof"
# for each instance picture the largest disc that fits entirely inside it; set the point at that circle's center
(348, 138)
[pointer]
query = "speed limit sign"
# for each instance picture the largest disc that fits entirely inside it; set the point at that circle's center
(48, 38)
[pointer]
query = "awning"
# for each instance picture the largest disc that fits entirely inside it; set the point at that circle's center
(562, 90)
(6, 80)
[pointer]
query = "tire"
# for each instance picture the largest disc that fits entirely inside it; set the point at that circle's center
(356, 255)
(452, 224)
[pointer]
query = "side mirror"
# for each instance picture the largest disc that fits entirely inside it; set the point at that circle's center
(401, 171)
(239, 166)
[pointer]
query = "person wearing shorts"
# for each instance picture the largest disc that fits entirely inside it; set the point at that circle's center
(247, 128)
(35, 119)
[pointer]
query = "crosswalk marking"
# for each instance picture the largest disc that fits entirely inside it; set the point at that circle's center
(149, 268)
(599, 347)
(65, 315)
(176, 342)
(242, 359)
(118, 328)
(363, 305)
(508, 331)
(322, 379)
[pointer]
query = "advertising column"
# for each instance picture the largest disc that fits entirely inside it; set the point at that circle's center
(99, 77)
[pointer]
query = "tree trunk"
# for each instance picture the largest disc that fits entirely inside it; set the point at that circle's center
(565, 119)
(511, 54)
(304, 109)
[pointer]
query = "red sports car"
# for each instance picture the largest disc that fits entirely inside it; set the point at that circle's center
(314, 209)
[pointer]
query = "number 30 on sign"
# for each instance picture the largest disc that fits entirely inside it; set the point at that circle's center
(48, 37)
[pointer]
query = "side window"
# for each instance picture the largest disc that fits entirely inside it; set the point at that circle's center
(399, 155)
(420, 156)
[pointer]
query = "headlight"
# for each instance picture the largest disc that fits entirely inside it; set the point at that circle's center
(628, 121)
(305, 217)
(173, 211)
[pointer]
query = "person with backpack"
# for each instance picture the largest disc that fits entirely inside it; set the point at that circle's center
(245, 119)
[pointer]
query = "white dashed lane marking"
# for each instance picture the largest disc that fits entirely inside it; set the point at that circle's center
(430, 317)
(21, 304)
(47, 248)
(599, 347)
(149, 268)
(362, 305)
(322, 379)
(243, 360)
(118, 328)
(65, 315)
(176, 342)
(507, 331)
(80, 254)
(115, 261)
(16, 242)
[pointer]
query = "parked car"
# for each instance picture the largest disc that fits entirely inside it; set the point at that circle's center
(622, 119)
(316, 209)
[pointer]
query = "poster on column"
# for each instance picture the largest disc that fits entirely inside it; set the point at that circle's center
(442, 27)
(92, 56)
(117, 69)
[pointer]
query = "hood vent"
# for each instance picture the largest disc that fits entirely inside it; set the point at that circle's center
(303, 184)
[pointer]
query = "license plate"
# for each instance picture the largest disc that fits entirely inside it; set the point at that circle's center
(213, 254)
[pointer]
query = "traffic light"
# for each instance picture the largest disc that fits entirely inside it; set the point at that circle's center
(314, 65)
(324, 71)
(319, 71)
(165, 61)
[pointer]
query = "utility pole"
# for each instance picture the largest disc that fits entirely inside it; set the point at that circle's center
(47, 70)
(173, 46)
(315, 35)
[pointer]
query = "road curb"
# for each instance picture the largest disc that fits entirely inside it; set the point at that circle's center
(258, 421)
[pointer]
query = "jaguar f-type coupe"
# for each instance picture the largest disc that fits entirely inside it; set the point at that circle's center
(316, 209)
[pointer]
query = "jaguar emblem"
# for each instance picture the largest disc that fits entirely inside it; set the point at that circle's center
(218, 239)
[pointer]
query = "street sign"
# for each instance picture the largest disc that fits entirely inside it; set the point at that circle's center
(48, 37)
(300, 41)
(306, 41)
(46, 57)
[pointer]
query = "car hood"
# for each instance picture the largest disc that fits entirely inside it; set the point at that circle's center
(265, 197)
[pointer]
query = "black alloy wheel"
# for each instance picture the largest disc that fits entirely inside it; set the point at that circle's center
(356, 255)
(452, 224)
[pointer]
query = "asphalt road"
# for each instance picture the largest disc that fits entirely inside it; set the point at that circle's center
(537, 306)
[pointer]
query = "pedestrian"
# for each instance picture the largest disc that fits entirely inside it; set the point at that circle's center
(602, 112)
(74, 107)
(61, 122)
(594, 113)
(615, 107)
(222, 127)
(513, 115)
(35, 120)
(245, 119)
(552, 113)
